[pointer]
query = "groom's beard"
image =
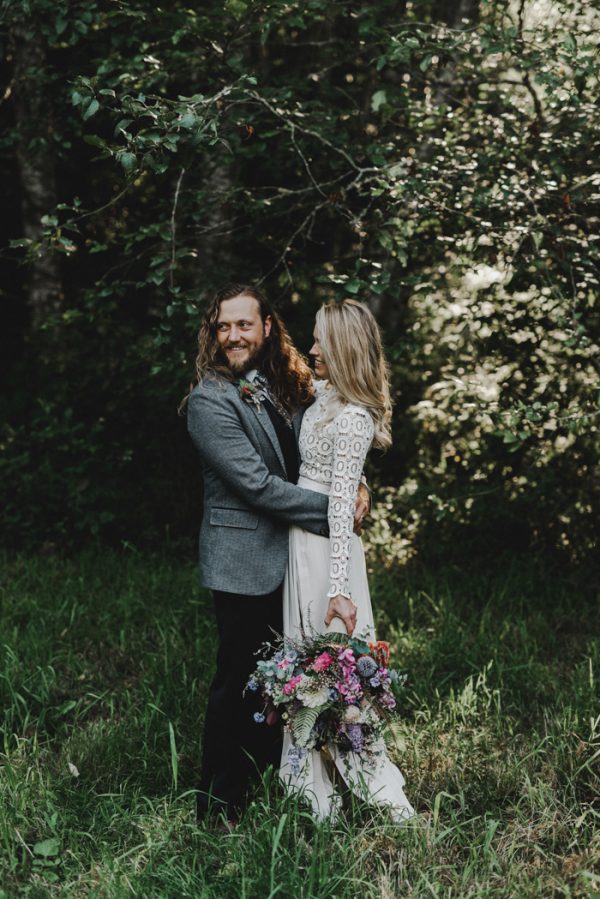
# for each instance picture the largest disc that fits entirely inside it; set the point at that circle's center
(247, 361)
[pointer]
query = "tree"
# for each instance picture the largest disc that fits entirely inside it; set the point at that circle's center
(440, 168)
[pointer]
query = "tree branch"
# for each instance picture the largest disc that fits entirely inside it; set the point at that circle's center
(173, 228)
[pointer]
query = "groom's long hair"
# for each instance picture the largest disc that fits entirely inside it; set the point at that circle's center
(289, 376)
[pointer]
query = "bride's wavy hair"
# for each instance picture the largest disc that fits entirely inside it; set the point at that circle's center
(289, 376)
(352, 349)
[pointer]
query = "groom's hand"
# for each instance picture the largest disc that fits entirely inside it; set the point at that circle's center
(344, 608)
(361, 508)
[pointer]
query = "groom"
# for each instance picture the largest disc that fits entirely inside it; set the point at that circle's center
(244, 417)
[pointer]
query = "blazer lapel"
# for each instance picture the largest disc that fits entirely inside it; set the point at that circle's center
(262, 416)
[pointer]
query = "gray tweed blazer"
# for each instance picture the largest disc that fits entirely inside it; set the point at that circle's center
(248, 502)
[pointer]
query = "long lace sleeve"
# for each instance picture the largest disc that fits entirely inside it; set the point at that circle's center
(354, 430)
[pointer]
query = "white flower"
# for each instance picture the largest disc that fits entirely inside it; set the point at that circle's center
(312, 699)
(368, 714)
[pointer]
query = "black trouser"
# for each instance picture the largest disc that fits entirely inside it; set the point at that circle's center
(235, 748)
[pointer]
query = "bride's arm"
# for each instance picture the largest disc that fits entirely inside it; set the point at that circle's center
(363, 496)
(353, 435)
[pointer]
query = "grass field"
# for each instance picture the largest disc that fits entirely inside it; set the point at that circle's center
(104, 665)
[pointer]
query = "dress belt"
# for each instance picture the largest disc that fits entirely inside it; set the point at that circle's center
(309, 484)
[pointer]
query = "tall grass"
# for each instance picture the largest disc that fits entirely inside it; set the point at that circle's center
(105, 661)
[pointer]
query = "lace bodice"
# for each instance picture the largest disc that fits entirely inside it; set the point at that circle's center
(334, 441)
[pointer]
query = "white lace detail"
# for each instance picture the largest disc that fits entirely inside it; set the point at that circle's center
(334, 454)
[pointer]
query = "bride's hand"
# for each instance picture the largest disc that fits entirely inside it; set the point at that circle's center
(362, 507)
(344, 608)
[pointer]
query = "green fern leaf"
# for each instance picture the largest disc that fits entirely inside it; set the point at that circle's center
(303, 725)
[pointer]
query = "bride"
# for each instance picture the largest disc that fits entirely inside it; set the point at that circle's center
(326, 587)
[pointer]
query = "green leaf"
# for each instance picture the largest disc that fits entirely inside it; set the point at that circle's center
(66, 707)
(353, 286)
(121, 126)
(174, 756)
(47, 848)
(303, 725)
(237, 8)
(91, 110)
(425, 63)
(378, 100)
(188, 120)
(128, 161)
(94, 141)
(60, 25)
(50, 876)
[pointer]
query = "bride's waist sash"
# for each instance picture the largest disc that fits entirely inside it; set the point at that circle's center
(309, 484)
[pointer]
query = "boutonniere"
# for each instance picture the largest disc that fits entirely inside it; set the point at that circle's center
(251, 393)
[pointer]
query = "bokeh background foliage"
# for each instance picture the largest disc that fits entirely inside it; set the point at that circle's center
(437, 161)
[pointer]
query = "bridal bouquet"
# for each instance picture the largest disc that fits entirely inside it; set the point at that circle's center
(328, 688)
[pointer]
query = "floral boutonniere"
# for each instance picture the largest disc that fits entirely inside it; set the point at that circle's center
(251, 393)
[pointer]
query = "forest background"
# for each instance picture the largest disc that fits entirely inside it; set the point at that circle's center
(437, 161)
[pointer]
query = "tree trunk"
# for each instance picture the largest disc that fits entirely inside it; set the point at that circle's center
(35, 156)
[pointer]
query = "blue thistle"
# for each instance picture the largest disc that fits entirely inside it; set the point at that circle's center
(366, 667)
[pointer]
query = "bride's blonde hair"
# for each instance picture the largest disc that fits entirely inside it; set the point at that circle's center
(351, 347)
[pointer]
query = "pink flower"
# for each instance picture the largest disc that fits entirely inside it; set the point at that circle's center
(346, 657)
(387, 701)
(283, 664)
(350, 689)
(322, 662)
(291, 685)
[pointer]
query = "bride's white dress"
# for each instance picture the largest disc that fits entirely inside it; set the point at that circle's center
(334, 441)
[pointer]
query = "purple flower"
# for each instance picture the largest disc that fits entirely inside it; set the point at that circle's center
(252, 685)
(296, 754)
(350, 689)
(355, 735)
(259, 717)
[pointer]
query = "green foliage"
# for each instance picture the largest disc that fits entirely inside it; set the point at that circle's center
(303, 725)
(104, 669)
(441, 170)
